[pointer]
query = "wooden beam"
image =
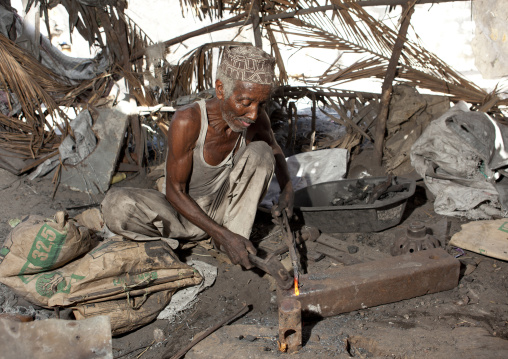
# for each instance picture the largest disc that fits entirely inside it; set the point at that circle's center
(386, 90)
(256, 6)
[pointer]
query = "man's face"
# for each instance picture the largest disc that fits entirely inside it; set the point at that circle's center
(241, 109)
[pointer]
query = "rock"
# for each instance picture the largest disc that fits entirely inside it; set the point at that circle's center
(249, 338)
(352, 249)
(158, 335)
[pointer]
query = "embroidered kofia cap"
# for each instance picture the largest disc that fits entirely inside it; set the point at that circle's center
(248, 63)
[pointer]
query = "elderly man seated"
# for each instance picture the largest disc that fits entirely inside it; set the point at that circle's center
(220, 159)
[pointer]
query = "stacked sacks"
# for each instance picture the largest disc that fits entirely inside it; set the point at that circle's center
(60, 264)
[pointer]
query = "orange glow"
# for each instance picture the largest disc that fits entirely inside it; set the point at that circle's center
(297, 290)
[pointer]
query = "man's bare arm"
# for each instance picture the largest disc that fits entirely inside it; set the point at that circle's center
(182, 137)
(263, 132)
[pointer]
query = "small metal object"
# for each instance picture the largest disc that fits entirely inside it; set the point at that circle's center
(415, 239)
(290, 325)
(307, 233)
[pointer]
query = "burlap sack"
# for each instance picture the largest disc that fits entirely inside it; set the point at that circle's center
(126, 315)
(91, 218)
(114, 269)
(38, 244)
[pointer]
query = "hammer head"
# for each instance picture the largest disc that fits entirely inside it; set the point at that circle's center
(274, 267)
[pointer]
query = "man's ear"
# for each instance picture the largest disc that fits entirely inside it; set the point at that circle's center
(219, 89)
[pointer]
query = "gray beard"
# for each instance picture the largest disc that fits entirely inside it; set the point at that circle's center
(230, 120)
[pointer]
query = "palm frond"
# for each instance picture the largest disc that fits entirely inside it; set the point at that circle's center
(28, 82)
(283, 76)
(354, 30)
(194, 72)
(215, 9)
(40, 92)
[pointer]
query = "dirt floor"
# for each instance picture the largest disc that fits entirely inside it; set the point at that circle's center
(469, 321)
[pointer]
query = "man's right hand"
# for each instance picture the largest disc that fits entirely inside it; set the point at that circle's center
(237, 248)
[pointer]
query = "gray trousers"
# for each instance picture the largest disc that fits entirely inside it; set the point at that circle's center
(144, 214)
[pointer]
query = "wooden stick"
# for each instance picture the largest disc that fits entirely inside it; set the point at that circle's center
(283, 77)
(350, 122)
(290, 127)
(312, 10)
(38, 162)
(204, 30)
(256, 6)
(386, 92)
(209, 331)
(489, 104)
(313, 123)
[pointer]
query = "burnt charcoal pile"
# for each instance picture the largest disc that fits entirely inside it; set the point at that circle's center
(367, 193)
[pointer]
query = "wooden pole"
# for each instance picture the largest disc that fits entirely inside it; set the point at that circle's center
(256, 6)
(313, 123)
(386, 90)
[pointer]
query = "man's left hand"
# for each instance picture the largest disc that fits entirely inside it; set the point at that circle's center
(286, 202)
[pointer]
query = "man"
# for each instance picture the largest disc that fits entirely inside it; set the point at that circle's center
(221, 157)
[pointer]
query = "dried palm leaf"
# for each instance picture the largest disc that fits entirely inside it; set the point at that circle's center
(96, 20)
(194, 72)
(30, 93)
(40, 92)
(217, 8)
(354, 30)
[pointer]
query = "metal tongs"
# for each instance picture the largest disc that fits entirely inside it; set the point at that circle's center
(289, 238)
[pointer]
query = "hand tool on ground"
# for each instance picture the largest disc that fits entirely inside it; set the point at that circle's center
(336, 252)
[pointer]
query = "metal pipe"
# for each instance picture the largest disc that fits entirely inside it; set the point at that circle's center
(290, 325)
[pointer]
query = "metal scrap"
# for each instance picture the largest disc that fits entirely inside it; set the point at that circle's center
(418, 237)
(363, 193)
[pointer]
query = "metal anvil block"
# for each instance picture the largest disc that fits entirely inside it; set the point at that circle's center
(365, 285)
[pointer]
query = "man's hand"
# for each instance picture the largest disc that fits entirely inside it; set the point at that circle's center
(237, 248)
(286, 202)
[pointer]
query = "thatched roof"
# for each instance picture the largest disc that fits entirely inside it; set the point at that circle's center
(40, 91)
(345, 26)
(338, 24)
